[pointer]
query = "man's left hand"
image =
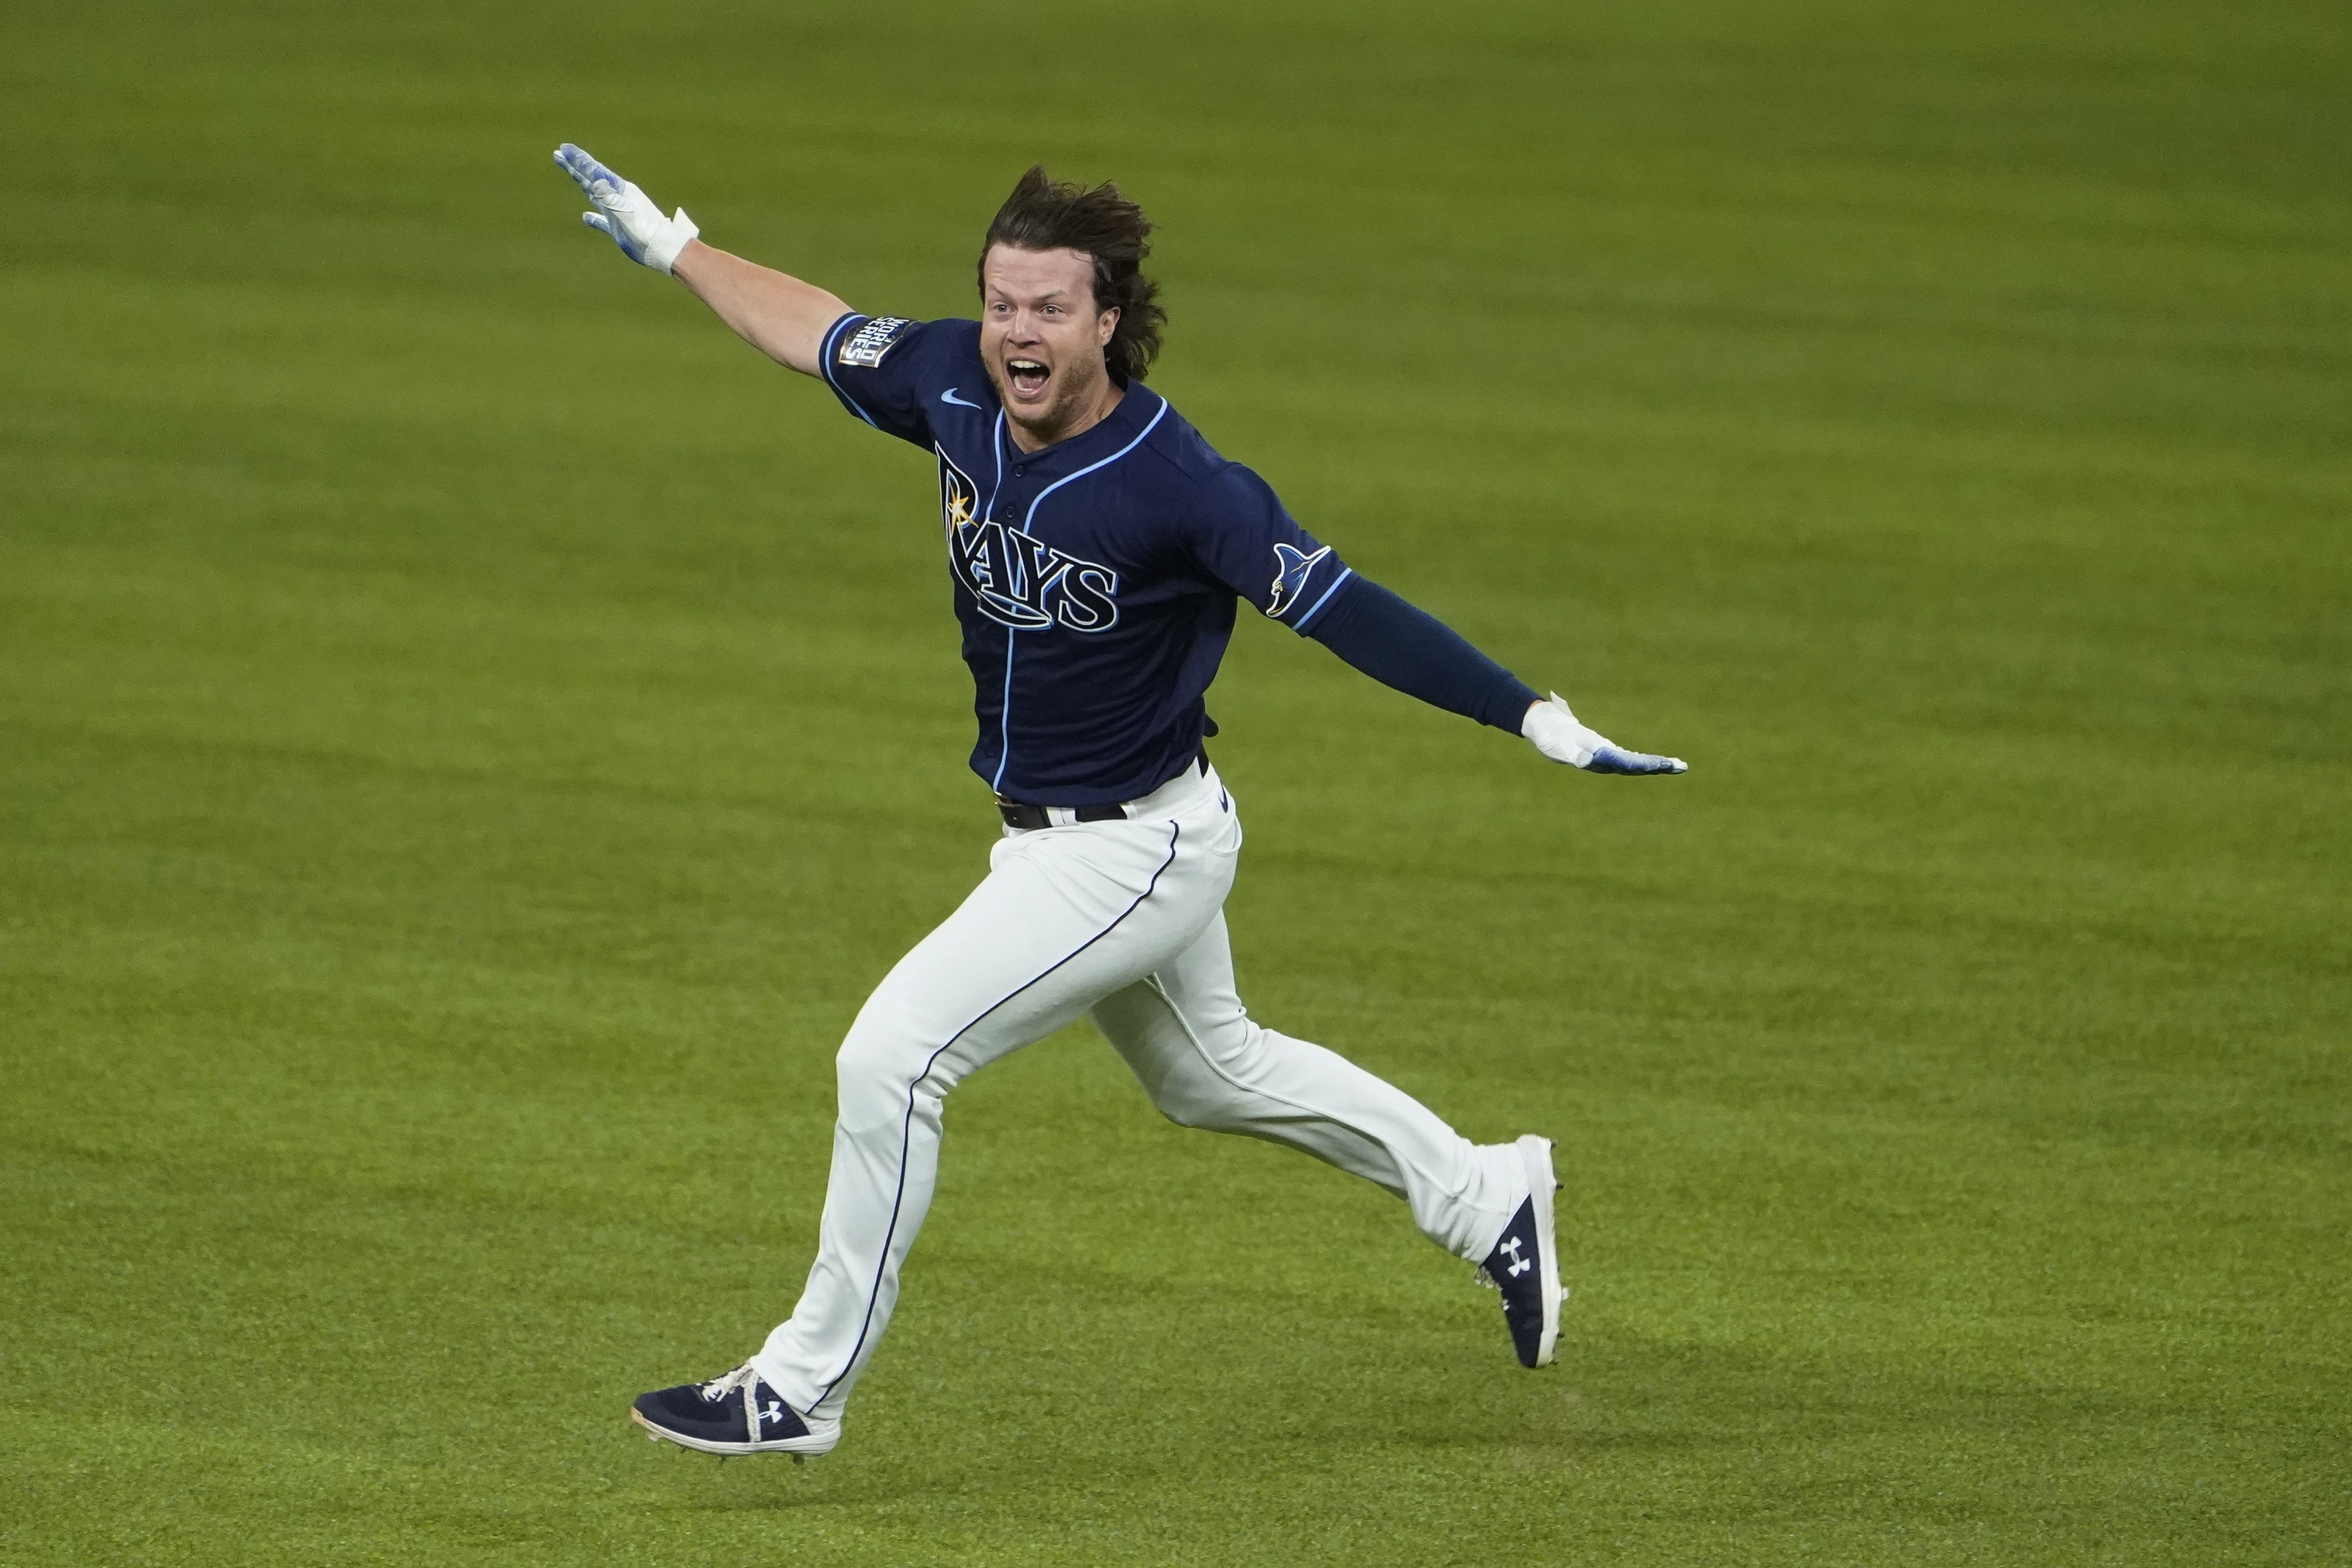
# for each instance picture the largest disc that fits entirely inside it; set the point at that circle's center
(1559, 734)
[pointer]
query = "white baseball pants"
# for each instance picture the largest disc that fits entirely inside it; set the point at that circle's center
(1125, 919)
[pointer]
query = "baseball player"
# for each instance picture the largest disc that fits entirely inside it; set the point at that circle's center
(1098, 547)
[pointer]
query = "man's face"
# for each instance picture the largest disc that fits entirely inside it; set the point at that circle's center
(1042, 338)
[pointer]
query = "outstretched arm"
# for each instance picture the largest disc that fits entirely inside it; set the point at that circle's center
(1399, 646)
(778, 314)
(775, 312)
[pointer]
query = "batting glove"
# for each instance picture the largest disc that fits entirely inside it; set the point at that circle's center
(1559, 735)
(626, 213)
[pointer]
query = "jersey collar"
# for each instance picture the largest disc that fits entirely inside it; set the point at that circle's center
(1106, 436)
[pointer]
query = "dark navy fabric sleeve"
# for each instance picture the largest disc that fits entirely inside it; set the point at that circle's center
(875, 365)
(1242, 537)
(1420, 655)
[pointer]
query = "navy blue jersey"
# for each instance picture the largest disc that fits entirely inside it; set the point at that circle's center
(1095, 580)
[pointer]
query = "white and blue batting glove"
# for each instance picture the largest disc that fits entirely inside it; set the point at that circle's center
(626, 213)
(1559, 734)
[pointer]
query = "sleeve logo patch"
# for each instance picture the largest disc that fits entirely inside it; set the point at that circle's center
(863, 348)
(1291, 570)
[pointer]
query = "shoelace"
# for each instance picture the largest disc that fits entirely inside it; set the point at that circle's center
(718, 1388)
(747, 1378)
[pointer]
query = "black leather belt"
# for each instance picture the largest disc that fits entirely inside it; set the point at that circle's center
(1017, 814)
(1029, 819)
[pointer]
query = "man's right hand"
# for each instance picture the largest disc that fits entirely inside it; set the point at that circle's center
(626, 213)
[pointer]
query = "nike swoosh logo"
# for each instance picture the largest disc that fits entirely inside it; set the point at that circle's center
(949, 396)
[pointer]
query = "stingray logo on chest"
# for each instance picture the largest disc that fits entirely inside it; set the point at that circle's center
(1019, 580)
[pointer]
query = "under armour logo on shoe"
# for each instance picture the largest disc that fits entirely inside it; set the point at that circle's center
(1518, 1265)
(774, 1412)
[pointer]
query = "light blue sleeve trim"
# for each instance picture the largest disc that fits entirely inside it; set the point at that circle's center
(825, 364)
(1300, 626)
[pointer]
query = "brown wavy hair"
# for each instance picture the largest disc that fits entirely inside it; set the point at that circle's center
(1043, 214)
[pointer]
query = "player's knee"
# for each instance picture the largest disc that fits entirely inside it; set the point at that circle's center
(1202, 1104)
(876, 1071)
(1183, 1113)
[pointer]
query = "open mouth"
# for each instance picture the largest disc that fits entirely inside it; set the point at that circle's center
(1028, 376)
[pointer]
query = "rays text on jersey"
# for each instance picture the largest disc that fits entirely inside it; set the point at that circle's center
(1017, 579)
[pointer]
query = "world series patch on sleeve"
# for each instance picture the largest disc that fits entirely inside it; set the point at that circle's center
(863, 348)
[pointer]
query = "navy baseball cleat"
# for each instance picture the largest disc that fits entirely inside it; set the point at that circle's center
(737, 1414)
(1525, 1265)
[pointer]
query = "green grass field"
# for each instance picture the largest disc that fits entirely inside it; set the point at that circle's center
(471, 733)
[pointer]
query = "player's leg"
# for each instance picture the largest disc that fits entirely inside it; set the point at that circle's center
(1206, 1063)
(1066, 915)
(1183, 1031)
